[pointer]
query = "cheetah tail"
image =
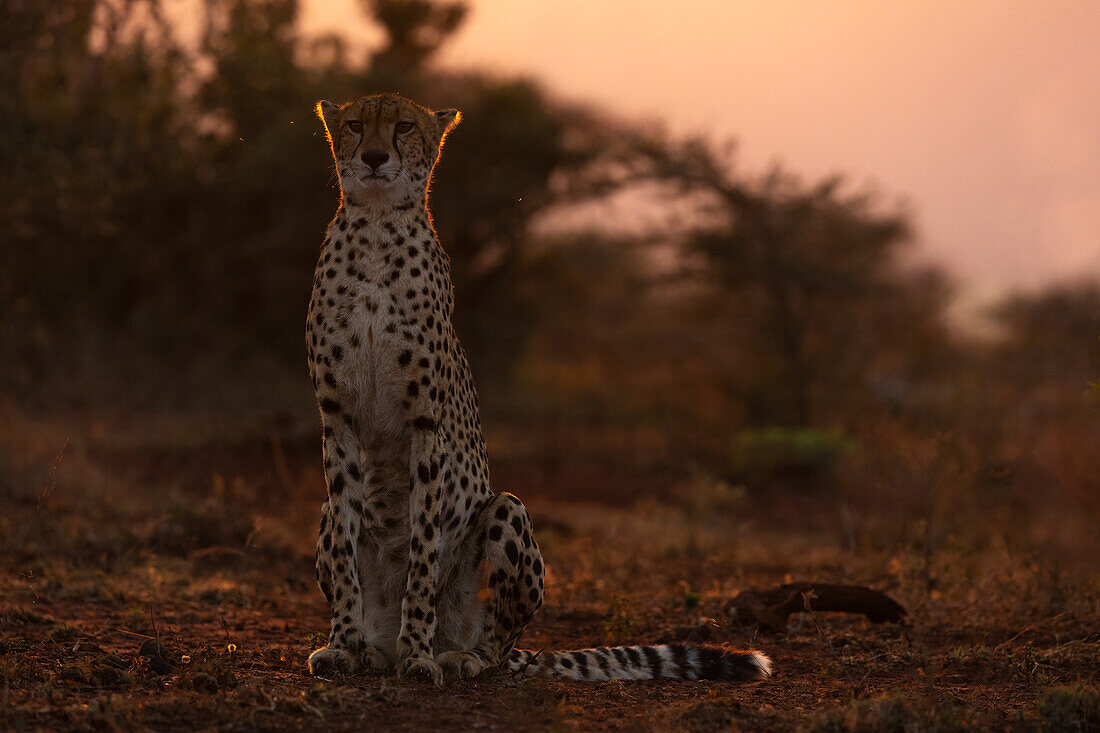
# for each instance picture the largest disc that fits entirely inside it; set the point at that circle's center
(676, 661)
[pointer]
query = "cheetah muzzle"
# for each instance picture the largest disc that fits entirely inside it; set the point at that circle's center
(411, 526)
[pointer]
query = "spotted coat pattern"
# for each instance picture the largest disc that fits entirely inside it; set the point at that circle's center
(425, 568)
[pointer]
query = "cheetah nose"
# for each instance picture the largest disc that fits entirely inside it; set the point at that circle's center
(374, 158)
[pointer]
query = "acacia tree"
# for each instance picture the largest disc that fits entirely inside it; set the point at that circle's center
(415, 30)
(809, 301)
(812, 265)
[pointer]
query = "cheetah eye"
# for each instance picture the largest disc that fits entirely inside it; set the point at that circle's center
(355, 126)
(403, 127)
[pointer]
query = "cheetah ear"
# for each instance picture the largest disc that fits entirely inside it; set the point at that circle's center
(447, 119)
(326, 110)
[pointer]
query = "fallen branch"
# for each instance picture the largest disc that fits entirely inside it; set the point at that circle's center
(770, 608)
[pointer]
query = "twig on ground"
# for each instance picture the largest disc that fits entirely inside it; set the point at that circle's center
(1026, 629)
(153, 623)
(133, 633)
(771, 608)
(527, 663)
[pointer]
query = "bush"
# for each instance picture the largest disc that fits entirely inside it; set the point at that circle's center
(778, 452)
(1075, 708)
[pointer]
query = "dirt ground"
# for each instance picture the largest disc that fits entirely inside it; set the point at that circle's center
(170, 587)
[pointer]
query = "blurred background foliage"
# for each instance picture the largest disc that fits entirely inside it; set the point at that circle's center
(162, 204)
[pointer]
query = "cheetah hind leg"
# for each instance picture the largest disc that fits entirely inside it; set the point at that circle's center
(515, 586)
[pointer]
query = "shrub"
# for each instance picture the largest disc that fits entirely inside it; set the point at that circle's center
(1075, 708)
(778, 452)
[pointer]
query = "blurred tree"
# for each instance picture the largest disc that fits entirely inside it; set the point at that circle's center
(1051, 337)
(162, 204)
(255, 78)
(415, 29)
(809, 278)
(179, 194)
(91, 106)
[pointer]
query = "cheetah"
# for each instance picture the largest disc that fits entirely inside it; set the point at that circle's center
(426, 569)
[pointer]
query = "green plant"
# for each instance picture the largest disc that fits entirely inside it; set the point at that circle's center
(316, 639)
(784, 452)
(618, 625)
(1025, 664)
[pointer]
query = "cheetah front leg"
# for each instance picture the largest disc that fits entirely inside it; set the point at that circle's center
(418, 607)
(337, 557)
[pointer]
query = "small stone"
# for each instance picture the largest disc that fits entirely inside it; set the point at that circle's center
(110, 677)
(74, 675)
(156, 656)
(203, 682)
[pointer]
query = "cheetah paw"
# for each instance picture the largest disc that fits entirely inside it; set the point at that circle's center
(421, 667)
(462, 663)
(374, 660)
(327, 661)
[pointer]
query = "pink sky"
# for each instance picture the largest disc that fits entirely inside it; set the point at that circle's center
(983, 115)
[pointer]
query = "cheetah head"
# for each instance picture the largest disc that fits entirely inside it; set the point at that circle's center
(385, 147)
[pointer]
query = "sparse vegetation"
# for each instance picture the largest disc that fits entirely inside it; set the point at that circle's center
(236, 621)
(1071, 708)
(899, 713)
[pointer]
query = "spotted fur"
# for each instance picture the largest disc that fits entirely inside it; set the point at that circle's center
(411, 526)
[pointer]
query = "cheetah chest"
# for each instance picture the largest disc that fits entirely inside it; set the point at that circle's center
(375, 365)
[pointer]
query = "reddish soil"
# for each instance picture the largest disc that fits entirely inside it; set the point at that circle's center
(208, 551)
